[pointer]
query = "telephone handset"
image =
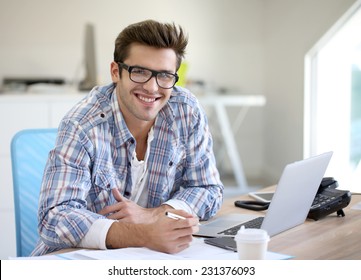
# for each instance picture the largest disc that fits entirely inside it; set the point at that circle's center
(327, 182)
(329, 200)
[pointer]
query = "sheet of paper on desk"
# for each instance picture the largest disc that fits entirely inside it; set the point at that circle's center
(197, 251)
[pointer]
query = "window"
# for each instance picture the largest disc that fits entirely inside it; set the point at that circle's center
(333, 99)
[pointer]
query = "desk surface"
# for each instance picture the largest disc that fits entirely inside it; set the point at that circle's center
(330, 238)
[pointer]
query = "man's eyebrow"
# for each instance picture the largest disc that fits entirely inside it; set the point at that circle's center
(161, 71)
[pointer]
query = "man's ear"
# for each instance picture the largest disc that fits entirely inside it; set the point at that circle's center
(114, 71)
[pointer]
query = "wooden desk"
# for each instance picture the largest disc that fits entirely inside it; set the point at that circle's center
(330, 238)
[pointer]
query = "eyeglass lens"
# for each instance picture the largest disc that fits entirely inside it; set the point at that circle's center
(141, 75)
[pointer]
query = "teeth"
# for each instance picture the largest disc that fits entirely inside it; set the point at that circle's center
(148, 100)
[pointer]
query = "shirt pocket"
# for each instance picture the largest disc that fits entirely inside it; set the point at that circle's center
(100, 194)
(176, 168)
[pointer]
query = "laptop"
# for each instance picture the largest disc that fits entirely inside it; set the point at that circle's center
(290, 204)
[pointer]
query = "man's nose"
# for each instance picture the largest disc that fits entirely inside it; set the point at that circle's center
(151, 85)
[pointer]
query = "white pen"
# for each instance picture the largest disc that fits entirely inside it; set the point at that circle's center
(175, 216)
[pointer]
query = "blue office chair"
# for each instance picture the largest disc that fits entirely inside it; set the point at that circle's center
(29, 153)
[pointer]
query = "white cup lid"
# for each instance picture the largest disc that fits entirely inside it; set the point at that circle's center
(251, 235)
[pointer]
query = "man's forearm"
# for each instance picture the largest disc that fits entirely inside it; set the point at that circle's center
(122, 235)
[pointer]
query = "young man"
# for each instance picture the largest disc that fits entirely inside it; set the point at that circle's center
(129, 152)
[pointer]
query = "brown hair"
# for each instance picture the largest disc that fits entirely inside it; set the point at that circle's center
(154, 34)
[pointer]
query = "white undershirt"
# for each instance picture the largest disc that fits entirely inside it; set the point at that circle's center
(96, 236)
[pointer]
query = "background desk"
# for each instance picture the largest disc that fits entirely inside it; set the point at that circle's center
(330, 238)
(229, 129)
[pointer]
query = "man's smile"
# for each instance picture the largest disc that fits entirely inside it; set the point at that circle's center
(147, 99)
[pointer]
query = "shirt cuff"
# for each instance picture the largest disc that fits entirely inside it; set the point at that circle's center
(180, 205)
(97, 234)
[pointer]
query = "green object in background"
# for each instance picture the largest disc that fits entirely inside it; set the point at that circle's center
(182, 73)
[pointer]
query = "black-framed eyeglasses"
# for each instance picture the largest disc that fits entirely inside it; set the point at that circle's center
(142, 75)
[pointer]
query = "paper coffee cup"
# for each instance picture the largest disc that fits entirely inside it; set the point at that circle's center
(252, 243)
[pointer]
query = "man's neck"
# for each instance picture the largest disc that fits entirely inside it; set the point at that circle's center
(140, 130)
(140, 133)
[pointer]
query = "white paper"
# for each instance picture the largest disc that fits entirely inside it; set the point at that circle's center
(197, 251)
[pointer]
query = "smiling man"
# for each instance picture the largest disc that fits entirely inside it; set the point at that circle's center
(129, 152)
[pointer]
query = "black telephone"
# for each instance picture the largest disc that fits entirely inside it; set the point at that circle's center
(329, 200)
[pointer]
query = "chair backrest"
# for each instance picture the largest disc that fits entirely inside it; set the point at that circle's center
(29, 153)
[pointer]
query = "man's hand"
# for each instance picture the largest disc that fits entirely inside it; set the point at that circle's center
(169, 235)
(128, 211)
(165, 234)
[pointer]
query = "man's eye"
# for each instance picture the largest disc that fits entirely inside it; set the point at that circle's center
(139, 71)
(165, 76)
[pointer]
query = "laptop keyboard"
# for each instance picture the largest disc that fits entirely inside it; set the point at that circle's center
(254, 223)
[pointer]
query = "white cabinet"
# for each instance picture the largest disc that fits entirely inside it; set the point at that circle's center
(17, 112)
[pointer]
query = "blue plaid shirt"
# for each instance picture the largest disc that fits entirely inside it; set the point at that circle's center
(93, 154)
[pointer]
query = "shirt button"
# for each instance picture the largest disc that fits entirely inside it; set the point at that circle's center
(102, 115)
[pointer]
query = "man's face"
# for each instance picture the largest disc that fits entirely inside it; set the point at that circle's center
(142, 102)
